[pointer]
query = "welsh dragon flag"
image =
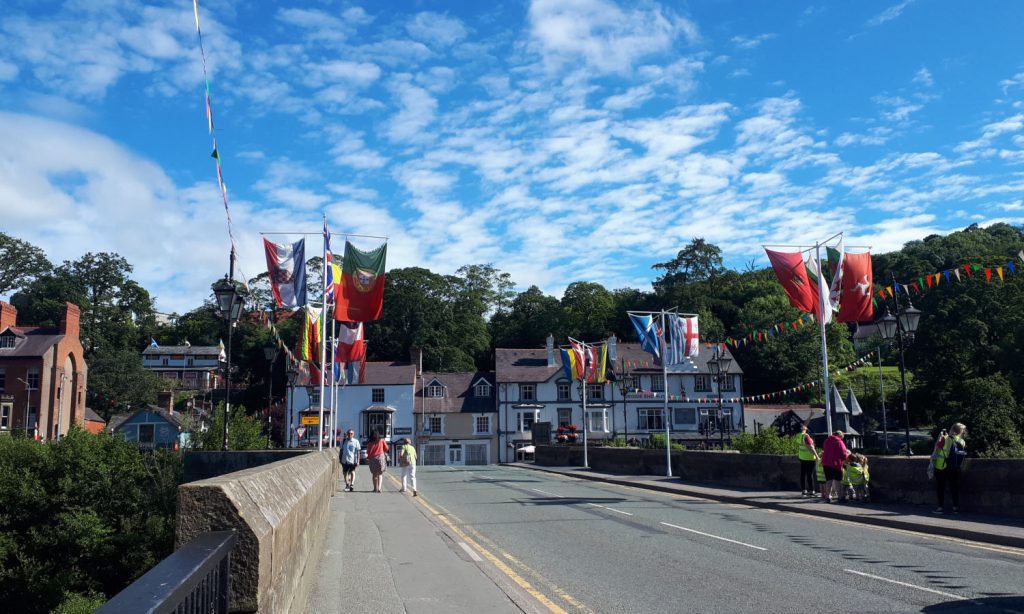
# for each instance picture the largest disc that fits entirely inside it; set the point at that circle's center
(360, 296)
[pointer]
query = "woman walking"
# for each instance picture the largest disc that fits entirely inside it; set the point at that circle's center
(407, 460)
(833, 457)
(948, 462)
(377, 457)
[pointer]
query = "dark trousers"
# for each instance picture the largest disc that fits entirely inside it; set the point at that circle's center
(807, 475)
(947, 476)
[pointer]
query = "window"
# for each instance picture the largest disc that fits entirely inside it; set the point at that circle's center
(684, 415)
(595, 392)
(564, 417)
(729, 382)
(597, 421)
(164, 361)
(526, 420)
(314, 396)
(630, 382)
(650, 419)
(434, 424)
(3, 380)
(33, 378)
(5, 416)
(657, 383)
(483, 390)
(483, 424)
(7, 341)
(564, 391)
(434, 454)
(701, 383)
(146, 433)
(527, 392)
(377, 395)
(190, 361)
(434, 391)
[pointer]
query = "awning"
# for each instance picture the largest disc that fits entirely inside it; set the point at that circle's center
(376, 409)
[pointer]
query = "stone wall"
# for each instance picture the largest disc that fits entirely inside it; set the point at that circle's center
(988, 486)
(280, 511)
(203, 464)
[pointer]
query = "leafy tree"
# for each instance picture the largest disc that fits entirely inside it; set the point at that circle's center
(588, 311)
(531, 317)
(118, 382)
(698, 261)
(993, 416)
(245, 432)
(20, 262)
(494, 287)
(766, 441)
(113, 300)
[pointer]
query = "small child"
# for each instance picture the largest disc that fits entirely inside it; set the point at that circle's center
(856, 477)
(819, 474)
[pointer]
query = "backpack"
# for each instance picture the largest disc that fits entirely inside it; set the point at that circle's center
(957, 455)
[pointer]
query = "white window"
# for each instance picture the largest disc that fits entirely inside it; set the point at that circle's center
(657, 383)
(7, 341)
(595, 392)
(5, 416)
(597, 421)
(482, 391)
(701, 383)
(527, 392)
(377, 395)
(33, 378)
(526, 420)
(564, 392)
(684, 416)
(650, 419)
(435, 391)
(729, 382)
(482, 424)
(434, 425)
(564, 417)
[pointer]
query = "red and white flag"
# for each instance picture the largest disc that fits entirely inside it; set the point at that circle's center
(351, 343)
(286, 267)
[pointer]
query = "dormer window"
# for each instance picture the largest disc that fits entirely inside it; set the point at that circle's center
(7, 341)
(435, 390)
(482, 390)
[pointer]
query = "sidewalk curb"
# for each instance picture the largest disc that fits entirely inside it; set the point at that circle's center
(890, 523)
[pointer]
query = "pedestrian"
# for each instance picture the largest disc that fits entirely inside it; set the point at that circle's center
(407, 461)
(377, 457)
(350, 459)
(819, 474)
(833, 458)
(855, 478)
(808, 455)
(948, 463)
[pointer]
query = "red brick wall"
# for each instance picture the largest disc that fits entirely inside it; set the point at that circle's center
(8, 316)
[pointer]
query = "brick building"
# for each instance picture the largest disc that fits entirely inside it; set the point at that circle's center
(42, 374)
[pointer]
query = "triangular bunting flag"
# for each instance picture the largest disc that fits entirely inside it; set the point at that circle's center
(988, 275)
(1000, 271)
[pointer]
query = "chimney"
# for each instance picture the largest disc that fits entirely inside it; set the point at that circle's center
(551, 350)
(69, 323)
(416, 358)
(8, 316)
(613, 349)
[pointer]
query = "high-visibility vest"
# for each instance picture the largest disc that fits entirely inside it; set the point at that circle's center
(805, 452)
(854, 475)
(942, 454)
(819, 471)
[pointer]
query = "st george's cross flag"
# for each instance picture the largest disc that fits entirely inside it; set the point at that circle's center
(684, 340)
(360, 294)
(286, 267)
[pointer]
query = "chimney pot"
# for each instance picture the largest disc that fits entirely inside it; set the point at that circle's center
(8, 316)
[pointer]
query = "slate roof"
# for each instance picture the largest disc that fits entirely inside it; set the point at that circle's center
(185, 350)
(530, 365)
(389, 373)
(176, 418)
(459, 389)
(91, 416)
(33, 341)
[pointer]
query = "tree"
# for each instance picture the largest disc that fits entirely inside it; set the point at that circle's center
(245, 432)
(494, 287)
(588, 311)
(698, 261)
(532, 315)
(20, 263)
(114, 302)
(993, 417)
(119, 382)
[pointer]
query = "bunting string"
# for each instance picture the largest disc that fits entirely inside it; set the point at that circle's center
(958, 274)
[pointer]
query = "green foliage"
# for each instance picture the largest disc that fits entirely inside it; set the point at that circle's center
(245, 432)
(81, 517)
(20, 262)
(993, 417)
(79, 603)
(767, 441)
(588, 310)
(617, 442)
(118, 382)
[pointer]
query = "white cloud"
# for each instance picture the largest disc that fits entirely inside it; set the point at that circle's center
(416, 111)
(8, 71)
(924, 77)
(438, 30)
(751, 42)
(889, 14)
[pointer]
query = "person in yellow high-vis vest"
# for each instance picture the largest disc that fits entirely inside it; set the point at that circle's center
(948, 463)
(808, 455)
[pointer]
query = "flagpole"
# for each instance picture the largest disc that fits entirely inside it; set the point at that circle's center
(824, 342)
(334, 384)
(583, 395)
(664, 392)
(323, 343)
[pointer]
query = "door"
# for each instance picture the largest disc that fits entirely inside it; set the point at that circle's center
(455, 455)
(476, 453)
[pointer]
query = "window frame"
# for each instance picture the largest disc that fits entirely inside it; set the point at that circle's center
(592, 388)
(650, 415)
(563, 390)
(482, 390)
(152, 429)
(476, 424)
(7, 342)
(729, 382)
(568, 419)
(3, 379)
(527, 392)
(684, 424)
(601, 413)
(429, 422)
(434, 391)
(375, 393)
(521, 422)
(657, 383)
(33, 378)
(6, 412)
(702, 382)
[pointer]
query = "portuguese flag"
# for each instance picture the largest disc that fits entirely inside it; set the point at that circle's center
(360, 295)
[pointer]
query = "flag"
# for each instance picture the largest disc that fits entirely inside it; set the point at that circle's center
(309, 337)
(595, 366)
(836, 288)
(152, 343)
(570, 364)
(360, 295)
(684, 340)
(286, 266)
(351, 344)
(792, 274)
(646, 329)
(858, 281)
(332, 275)
(222, 355)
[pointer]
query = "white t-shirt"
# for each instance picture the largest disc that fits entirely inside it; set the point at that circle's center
(350, 451)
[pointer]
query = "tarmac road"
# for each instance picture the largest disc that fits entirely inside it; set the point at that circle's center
(598, 547)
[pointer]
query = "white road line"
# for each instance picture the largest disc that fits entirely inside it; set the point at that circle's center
(611, 509)
(725, 539)
(920, 588)
(472, 553)
(544, 492)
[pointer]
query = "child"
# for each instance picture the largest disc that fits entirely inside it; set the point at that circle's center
(855, 478)
(819, 475)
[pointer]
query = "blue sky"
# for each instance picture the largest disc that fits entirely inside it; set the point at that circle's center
(560, 140)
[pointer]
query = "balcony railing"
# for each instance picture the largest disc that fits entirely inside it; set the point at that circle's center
(196, 578)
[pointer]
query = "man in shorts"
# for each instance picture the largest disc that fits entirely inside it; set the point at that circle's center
(349, 459)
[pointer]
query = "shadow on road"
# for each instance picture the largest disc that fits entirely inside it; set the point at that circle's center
(984, 604)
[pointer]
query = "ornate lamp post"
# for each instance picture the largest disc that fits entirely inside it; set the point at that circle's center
(902, 328)
(270, 353)
(623, 385)
(293, 377)
(229, 305)
(719, 366)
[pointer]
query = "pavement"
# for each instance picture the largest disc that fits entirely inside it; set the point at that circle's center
(388, 552)
(974, 527)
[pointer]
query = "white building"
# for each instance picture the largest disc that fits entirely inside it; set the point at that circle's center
(384, 403)
(533, 388)
(456, 419)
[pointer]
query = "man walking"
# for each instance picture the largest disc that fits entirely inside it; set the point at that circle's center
(407, 460)
(350, 459)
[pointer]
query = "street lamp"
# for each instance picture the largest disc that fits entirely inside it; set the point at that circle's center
(623, 386)
(719, 366)
(293, 377)
(270, 353)
(229, 304)
(902, 328)
(27, 395)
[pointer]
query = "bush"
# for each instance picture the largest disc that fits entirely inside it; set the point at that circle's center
(768, 441)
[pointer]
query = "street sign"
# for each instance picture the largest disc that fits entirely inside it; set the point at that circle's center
(311, 420)
(300, 431)
(403, 430)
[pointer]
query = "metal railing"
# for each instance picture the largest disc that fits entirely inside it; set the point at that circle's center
(195, 579)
